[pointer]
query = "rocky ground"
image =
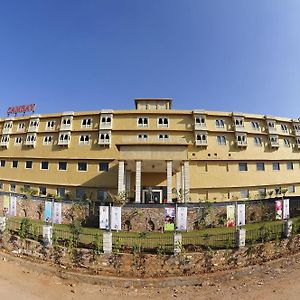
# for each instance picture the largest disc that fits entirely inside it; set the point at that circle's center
(276, 280)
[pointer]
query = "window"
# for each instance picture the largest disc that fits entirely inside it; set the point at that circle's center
(30, 139)
(163, 137)
(162, 122)
(82, 166)
(1, 185)
(276, 166)
(142, 122)
(201, 138)
(64, 138)
(42, 191)
(2, 163)
(18, 140)
(255, 125)
(200, 121)
(44, 165)
(289, 166)
(284, 128)
(104, 138)
(80, 193)
(286, 143)
(239, 122)
(262, 192)
(291, 189)
(260, 166)
(12, 187)
(86, 123)
(241, 139)
(50, 125)
(142, 137)
(66, 122)
(221, 140)
(15, 164)
(103, 166)
(21, 127)
(102, 195)
(28, 164)
(244, 194)
(84, 139)
(106, 120)
(61, 192)
(243, 167)
(278, 190)
(271, 125)
(220, 123)
(47, 140)
(62, 165)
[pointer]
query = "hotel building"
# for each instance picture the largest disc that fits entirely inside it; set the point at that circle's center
(152, 153)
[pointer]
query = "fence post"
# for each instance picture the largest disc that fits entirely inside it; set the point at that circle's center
(2, 224)
(47, 234)
(107, 242)
(177, 243)
(288, 227)
(241, 237)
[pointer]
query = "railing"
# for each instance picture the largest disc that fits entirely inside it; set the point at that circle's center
(152, 242)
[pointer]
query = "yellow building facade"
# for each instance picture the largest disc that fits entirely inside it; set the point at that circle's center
(151, 154)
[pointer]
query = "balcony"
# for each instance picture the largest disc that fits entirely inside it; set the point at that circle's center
(7, 128)
(30, 140)
(4, 143)
(274, 143)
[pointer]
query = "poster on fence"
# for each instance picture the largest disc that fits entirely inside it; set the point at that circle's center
(169, 219)
(48, 211)
(5, 205)
(13, 206)
(241, 215)
(230, 216)
(57, 213)
(115, 218)
(278, 209)
(103, 217)
(286, 209)
(181, 218)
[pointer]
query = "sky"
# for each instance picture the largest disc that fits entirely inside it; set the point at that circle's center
(223, 55)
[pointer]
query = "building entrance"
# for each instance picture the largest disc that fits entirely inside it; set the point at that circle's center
(152, 195)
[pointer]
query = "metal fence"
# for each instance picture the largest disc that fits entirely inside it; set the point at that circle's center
(151, 242)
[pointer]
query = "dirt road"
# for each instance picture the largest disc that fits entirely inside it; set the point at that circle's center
(277, 281)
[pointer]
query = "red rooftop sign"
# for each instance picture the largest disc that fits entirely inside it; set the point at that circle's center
(21, 109)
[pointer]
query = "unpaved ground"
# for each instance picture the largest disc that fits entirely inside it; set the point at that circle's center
(279, 280)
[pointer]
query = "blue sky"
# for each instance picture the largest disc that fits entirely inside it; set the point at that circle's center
(232, 55)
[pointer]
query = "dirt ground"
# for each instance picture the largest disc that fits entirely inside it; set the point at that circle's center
(278, 280)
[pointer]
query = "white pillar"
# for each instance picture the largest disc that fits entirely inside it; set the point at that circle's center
(138, 171)
(182, 184)
(121, 177)
(169, 181)
(186, 181)
(178, 184)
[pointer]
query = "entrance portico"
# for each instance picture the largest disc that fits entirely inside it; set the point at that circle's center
(152, 181)
(150, 171)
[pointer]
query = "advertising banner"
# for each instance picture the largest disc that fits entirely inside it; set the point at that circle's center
(104, 217)
(278, 209)
(169, 219)
(241, 214)
(230, 216)
(48, 211)
(286, 209)
(181, 219)
(13, 206)
(5, 205)
(115, 217)
(57, 213)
